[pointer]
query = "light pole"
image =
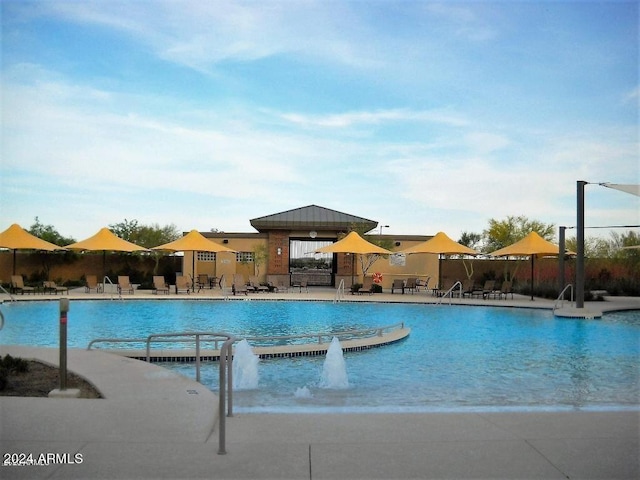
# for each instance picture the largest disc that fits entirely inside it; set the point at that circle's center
(381, 227)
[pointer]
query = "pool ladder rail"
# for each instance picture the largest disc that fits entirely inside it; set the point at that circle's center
(449, 293)
(339, 292)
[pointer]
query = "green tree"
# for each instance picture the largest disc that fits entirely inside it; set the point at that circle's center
(471, 240)
(49, 234)
(145, 235)
(502, 233)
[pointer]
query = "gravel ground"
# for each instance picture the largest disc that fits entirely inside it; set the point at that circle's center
(40, 379)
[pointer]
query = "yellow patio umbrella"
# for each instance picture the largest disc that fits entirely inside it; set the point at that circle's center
(194, 242)
(442, 244)
(105, 240)
(17, 238)
(530, 246)
(354, 243)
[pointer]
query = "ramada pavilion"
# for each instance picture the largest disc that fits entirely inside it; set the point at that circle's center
(285, 246)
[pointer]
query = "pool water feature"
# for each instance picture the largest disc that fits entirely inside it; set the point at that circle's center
(457, 358)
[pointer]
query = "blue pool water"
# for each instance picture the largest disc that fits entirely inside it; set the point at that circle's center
(456, 358)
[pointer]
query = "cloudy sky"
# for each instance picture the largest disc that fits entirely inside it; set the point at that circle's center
(423, 116)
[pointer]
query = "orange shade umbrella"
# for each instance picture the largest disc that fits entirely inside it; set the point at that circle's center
(103, 241)
(17, 238)
(530, 246)
(353, 243)
(440, 243)
(106, 240)
(194, 242)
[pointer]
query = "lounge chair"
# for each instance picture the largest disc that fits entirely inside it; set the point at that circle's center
(367, 286)
(468, 287)
(422, 283)
(17, 285)
(411, 284)
(159, 285)
(282, 285)
(255, 284)
(239, 285)
(183, 284)
(505, 290)
(52, 287)
(486, 289)
(398, 284)
(91, 283)
(124, 285)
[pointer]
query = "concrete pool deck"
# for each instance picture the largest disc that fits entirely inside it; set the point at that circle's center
(155, 424)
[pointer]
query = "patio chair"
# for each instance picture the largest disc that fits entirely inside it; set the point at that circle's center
(159, 285)
(239, 285)
(91, 283)
(17, 285)
(367, 286)
(124, 285)
(300, 284)
(505, 290)
(422, 283)
(203, 281)
(183, 284)
(254, 283)
(53, 287)
(468, 287)
(486, 289)
(398, 284)
(411, 284)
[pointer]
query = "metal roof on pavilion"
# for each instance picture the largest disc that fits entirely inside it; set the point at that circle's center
(312, 217)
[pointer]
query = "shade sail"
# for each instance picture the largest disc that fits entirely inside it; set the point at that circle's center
(354, 243)
(193, 241)
(532, 244)
(440, 244)
(106, 240)
(17, 238)
(633, 189)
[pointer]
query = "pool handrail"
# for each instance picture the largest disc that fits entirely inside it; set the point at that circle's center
(8, 293)
(450, 292)
(560, 298)
(342, 335)
(104, 284)
(339, 291)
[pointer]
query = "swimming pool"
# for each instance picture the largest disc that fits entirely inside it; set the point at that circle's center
(457, 357)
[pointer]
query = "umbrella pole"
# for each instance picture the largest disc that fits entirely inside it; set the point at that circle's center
(532, 257)
(14, 261)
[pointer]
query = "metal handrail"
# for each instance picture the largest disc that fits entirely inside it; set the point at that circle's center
(450, 292)
(8, 293)
(339, 291)
(343, 335)
(104, 283)
(561, 297)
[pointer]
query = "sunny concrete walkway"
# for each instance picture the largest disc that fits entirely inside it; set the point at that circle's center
(155, 424)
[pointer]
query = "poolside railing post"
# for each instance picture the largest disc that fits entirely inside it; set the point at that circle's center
(197, 357)
(230, 377)
(221, 402)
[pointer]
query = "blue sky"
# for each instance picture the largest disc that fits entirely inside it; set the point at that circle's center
(423, 116)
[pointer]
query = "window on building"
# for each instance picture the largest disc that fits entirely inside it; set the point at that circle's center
(244, 257)
(206, 256)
